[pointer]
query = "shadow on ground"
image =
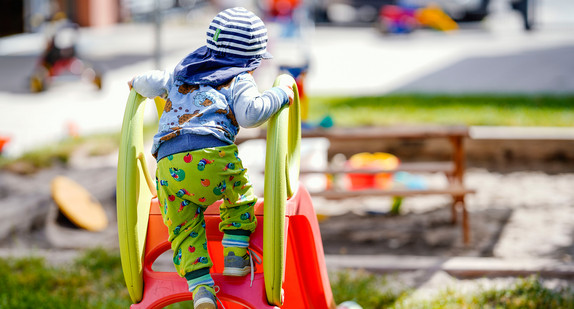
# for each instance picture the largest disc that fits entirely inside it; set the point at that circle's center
(428, 234)
(545, 70)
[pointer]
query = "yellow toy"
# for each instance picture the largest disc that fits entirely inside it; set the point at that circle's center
(78, 205)
(432, 16)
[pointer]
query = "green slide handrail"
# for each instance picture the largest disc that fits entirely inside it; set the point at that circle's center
(282, 160)
(135, 189)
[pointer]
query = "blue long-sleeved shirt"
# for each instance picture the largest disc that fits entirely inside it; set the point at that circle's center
(200, 116)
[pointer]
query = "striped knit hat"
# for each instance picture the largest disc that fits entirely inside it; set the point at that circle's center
(238, 32)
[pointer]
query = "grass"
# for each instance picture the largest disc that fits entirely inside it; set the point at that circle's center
(445, 110)
(372, 291)
(366, 289)
(95, 280)
(60, 153)
(526, 293)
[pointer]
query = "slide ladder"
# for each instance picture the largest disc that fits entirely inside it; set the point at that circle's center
(293, 274)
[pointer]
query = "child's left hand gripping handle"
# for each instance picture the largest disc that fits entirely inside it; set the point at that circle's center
(288, 89)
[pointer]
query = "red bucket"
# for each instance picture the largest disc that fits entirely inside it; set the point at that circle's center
(377, 161)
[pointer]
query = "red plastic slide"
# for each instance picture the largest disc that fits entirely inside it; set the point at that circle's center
(306, 282)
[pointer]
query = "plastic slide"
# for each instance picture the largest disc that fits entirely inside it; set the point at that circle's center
(293, 274)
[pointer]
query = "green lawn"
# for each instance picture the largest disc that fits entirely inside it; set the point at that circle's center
(374, 291)
(95, 280)
(469, 110)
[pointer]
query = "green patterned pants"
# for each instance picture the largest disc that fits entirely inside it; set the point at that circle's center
(187, 183)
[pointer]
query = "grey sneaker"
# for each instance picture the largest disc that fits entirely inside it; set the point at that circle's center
(204, 299)
(235, 265)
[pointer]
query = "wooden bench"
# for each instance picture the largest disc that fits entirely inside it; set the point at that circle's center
(453, 168)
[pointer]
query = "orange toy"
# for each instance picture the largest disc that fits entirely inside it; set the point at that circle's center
(432, 16)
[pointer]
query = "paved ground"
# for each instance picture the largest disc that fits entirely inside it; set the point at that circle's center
(495, 56)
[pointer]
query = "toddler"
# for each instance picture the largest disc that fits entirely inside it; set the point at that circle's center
(209, 95)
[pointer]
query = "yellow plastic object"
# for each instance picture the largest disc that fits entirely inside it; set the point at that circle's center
(436, 18)
(135, 190)
(159, 106)
(378, 160)
(78, 205)
(281, 177)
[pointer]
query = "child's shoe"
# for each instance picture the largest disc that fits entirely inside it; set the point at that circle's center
(204, 299)
(236, 266)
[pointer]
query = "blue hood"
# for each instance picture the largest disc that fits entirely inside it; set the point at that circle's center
(205, 66)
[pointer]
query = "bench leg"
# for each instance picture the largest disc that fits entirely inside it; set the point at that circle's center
(453, 210)
(465, 224)
(458, 201)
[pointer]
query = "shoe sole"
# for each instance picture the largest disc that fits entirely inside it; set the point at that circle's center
(237, 272)
(208, 304)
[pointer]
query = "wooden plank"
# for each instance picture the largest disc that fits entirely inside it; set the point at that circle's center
(411, 167)
(332, 194)
(372, 133)
(522, 133)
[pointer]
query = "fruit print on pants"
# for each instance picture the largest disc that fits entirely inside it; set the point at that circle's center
(191, 181)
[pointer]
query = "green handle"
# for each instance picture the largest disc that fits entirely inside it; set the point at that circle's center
(282, 161)
(134, 193)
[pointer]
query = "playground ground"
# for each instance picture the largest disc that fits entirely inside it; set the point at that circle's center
(521, 222)
(521, 225)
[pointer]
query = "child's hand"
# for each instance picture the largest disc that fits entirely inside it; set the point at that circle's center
(289, 91)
